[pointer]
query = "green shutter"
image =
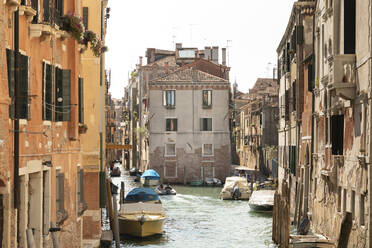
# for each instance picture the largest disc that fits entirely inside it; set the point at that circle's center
(201, 124)
(81, 100)
(58, 93)
(10, 64)
(167, 125)
(209, 124)
(175, 124)
(66, 94)
(81, 175)
(46, 12)
(85, 16)
(49, 92)
(22, 110)
(300, 34)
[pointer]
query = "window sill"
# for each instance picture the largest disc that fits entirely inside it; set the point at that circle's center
(207, 156)
(170, 107)
(28, 11)
(207, 107)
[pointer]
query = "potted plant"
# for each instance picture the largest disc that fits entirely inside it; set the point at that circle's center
(73, 25)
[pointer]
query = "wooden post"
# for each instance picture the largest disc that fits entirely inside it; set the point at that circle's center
(116, 222)
(122, 192)
(54, 236)
(109, 202)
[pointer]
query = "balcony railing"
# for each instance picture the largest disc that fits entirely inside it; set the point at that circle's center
(342, 76)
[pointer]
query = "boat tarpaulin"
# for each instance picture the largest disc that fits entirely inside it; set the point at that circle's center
(141, 195)
(150, 174)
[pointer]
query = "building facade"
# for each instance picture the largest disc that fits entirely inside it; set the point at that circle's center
(189, 136)
(258, 122)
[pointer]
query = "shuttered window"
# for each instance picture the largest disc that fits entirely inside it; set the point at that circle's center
(58, 8)
(22, 110)
(10, 65)
(35, 6)
(81, 100)
(63, 95)
(310, 80)
(46, 11)
(207, 98)
(171, 124)
(292, 159)
(205, 124)
(169, 98)
(85, 17)
(47, 92)
(337, 134)
(60, 198)
(80, 202)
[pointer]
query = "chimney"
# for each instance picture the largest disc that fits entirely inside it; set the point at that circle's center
(140, 60)
(207, 53)
(215, 54)
(178, 46)
(183, 63)
(166, 67)
(224, 56)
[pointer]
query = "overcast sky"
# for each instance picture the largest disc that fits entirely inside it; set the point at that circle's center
(251, 29)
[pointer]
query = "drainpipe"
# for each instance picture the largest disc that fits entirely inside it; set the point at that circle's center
(16, 120)
(102, 174)
(369, 235)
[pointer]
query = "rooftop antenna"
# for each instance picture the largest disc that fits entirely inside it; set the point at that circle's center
(228, 51)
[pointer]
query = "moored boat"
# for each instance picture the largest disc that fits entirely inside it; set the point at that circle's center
(142, 214)
(134, 171)
(150, 178)
(115, 172)
(213, 181)
(235, 188)
(165, 190)
(262, 200)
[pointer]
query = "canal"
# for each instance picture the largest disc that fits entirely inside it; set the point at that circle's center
(198, 218)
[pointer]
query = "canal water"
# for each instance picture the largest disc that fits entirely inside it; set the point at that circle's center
(198, 218)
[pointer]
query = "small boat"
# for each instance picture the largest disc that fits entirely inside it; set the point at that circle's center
(141, 214)
(165, 189)
(196, 182)
(235, 188)
(262, 200)
(150, 178)
(134, 171)
(115, 172)
(213, 181)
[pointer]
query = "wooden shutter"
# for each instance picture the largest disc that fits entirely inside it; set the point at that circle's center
(85, 16)
(299, 34)
(174, 125)
(49, 92)
(81, 177)
(209, 124)
(58, 94)
(337, 134)
(22, 111)
(66, 92)
(10, 65)
(167, 125)
(35, 6)
(60, 192)
(310, 80)
(201, 124)
(81, 100)
(46, 11)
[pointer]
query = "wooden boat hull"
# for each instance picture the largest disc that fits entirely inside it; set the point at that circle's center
(138, 226)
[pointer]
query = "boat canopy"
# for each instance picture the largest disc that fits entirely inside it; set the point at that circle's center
(142, 195)
(151, 174)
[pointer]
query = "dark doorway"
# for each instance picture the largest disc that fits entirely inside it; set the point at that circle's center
(349, 26)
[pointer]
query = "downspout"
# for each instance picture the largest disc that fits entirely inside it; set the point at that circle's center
(369, 235)
(102, 174)
(16, 120)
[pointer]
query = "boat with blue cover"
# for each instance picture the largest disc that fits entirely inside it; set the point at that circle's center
(141, 214)
(150, 178)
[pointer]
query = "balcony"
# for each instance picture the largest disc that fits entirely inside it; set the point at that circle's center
(342, 81)
(44, 31)
(28, 11)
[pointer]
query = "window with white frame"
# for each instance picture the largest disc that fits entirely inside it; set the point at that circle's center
(170, 149)
(207, 149)
(205, 124)
(207, 98)
(169, 98)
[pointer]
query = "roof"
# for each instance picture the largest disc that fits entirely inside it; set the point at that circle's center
(189, 75)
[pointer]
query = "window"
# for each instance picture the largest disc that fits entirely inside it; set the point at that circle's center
(207, 98)
(353, 203)
(169, 98)
(207, 149)
(171, 125)
(35, 6)
(80, 202)
(62, 214)
(170, 169)
(349, 26)
(46, 9)
(63, 92)
(10, 66)
(337, 134)
(58, 6)
(205, 124)
(47, 92)
(81, 100)
(170, 149)
(85, 17)
(361, 220)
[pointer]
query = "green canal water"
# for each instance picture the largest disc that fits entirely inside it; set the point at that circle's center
(198, 218)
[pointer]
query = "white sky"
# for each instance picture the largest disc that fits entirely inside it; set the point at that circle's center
(254, 29)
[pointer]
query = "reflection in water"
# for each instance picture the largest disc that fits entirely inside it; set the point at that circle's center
(198, 218)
